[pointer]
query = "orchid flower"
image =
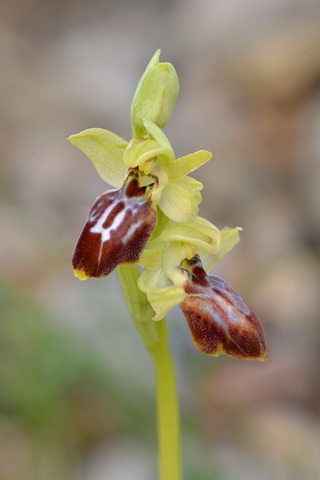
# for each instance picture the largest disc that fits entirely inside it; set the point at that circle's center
(155, 167)
(218, 318)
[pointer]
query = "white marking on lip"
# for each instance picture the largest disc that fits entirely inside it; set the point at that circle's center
(131, 231)
(95, 212)
(106, 232)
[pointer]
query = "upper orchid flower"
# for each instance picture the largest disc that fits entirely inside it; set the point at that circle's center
(160, 179)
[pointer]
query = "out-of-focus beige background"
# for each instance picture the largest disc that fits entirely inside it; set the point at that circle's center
(76, 385)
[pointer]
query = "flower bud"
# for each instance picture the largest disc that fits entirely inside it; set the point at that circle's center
(155, 96)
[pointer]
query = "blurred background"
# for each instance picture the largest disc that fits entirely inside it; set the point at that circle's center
(76, 385)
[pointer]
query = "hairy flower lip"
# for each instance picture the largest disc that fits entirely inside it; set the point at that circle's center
(117, 229)
(220, 321)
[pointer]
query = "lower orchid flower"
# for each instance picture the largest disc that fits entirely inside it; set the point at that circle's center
(151, 219)
(220, 321)
(218, 318)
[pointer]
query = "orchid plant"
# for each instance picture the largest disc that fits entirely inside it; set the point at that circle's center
(151, 220)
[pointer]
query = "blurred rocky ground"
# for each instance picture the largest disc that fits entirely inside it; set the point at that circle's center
(76, 399)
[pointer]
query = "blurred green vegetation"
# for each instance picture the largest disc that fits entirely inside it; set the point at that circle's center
(55, 389)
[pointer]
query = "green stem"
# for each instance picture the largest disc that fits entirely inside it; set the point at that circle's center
(155, 337)
(167, 407)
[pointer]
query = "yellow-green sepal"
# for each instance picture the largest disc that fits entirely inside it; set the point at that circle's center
(229, 238)
(180, 199)
(105, 150)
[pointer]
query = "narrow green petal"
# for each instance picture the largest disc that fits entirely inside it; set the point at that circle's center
(180, 199)
(157, 134)
(105, 150)
(180, 167)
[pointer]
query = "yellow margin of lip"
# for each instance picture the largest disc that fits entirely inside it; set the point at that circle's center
(80, 274)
